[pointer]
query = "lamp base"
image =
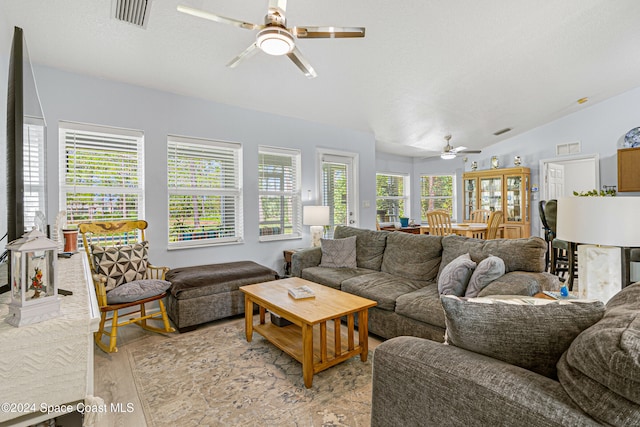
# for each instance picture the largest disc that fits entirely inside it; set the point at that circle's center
(49, 308)
(317, 231)
(599, 272)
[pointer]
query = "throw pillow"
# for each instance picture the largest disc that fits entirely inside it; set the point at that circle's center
(120, 264)
(601, 369)
(137, 290)
(488, 270)
(530, 336)
(338, 253)
(455, 276)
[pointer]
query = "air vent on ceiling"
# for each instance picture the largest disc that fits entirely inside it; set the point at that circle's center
(501, 131)
(134, 12)
(568, 148)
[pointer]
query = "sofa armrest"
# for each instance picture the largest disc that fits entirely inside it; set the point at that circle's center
(422, 382)
(521, 283)
(309, 257)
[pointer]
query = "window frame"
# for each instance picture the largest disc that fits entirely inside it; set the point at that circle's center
(452, 197)
(35, 172)
(406, 196)
(295, 193)
(209, 146)
(101, 134)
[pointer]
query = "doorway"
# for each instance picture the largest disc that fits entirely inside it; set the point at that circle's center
(562, 176)
(338, 187)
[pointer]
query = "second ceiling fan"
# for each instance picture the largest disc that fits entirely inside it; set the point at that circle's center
(448, 152)
(274, 38)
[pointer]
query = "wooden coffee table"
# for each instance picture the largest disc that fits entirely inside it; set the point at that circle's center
(313, 319)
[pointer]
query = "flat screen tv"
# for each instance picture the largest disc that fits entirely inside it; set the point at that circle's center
(23, 107)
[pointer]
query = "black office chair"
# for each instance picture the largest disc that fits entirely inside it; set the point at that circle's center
(547, 232)
(563, 254)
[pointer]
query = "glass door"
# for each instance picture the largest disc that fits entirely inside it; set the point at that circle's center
(337, 190)
(514, 198)
(491, 193)
(470, 192)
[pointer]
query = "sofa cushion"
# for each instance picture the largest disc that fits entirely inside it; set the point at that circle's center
(517, 254)
(381, 287)
(601, 368)
(338, 253)
(455, 276)
(370, 245)
(120, 264)
(412, 256)
(530, 336)
(422, 305)
(332, 277)
(488, 270)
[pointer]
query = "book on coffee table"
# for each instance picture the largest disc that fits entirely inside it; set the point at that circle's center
(301, 292)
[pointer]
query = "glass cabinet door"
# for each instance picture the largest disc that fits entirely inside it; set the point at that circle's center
(470, 197)
(491, 194)
(514, 199)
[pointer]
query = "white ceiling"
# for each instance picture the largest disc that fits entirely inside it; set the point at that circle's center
(426, 68)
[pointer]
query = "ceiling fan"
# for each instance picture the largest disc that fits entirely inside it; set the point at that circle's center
(274, 38)
(448, 152)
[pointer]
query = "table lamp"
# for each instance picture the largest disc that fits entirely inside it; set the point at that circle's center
(317, 217)
(600, 226)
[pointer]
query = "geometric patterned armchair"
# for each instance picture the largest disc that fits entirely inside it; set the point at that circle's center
(123, 278)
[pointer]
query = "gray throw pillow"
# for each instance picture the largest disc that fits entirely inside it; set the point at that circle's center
(455, 276)
(137, 290)
(488, 270)
(120, 264)
(530, 336)
(601, 369)
(338, 253)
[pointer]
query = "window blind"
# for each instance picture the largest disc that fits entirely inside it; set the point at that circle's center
(205, 191)
(34, 171)
(279, 193)
(102, 173)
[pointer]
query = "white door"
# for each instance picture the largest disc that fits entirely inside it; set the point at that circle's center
(338, 188)
(555, 181)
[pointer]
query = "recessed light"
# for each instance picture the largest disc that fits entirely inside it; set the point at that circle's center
(582, 100)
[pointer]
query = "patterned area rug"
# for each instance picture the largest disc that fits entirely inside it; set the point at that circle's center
(214, 377)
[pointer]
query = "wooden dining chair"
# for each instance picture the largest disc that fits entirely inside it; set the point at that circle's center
(123, 277)
(439, 222)
(493, 225)
(480, 216)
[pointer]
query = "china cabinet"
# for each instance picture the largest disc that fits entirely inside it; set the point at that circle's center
(500, 189)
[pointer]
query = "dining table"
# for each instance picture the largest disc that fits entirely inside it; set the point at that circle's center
(467, 229)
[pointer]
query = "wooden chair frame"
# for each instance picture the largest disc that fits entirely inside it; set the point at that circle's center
(439, 222)
(493, 225)
(480, 216)
(115, 233)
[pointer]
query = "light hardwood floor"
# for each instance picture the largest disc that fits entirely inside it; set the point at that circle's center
(113, 380)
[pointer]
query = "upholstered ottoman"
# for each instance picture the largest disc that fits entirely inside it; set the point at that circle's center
(204, 293)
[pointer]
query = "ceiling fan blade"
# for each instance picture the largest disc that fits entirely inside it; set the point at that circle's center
(302, 63)
(457, 149)
(327, 32)
(217, 18)
(247, 53)
(278, 4)
(470, 152)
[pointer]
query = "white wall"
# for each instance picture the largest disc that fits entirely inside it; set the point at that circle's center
(578, 178)
(600, 128)
(67, 96)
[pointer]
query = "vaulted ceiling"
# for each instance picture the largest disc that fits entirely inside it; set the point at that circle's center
(426, 68)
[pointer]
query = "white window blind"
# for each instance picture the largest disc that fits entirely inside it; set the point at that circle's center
(392, 197)
(102, 172)
(279, 193)
(34, 171)
(205, 191)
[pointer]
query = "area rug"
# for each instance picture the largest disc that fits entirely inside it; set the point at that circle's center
(213, 377)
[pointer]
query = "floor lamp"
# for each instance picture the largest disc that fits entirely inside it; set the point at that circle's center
(600, 226)
(317, 217)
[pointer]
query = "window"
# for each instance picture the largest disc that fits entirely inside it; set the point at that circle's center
(35, 188)
(392, 197)
(205, 192)
(437, 192)
(279, 193)
(102, 173)
(338, 187)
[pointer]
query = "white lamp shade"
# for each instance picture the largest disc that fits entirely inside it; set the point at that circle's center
(607, 221)
(315, 215)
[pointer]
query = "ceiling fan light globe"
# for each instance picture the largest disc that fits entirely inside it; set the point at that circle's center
(448, 156)
(275, 41)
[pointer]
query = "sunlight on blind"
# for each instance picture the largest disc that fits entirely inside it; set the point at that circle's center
(279, 193)
(103, 173)
(205, 197)
(34, 173)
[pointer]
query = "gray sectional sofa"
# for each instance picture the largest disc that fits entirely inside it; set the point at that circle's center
(400, 272)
